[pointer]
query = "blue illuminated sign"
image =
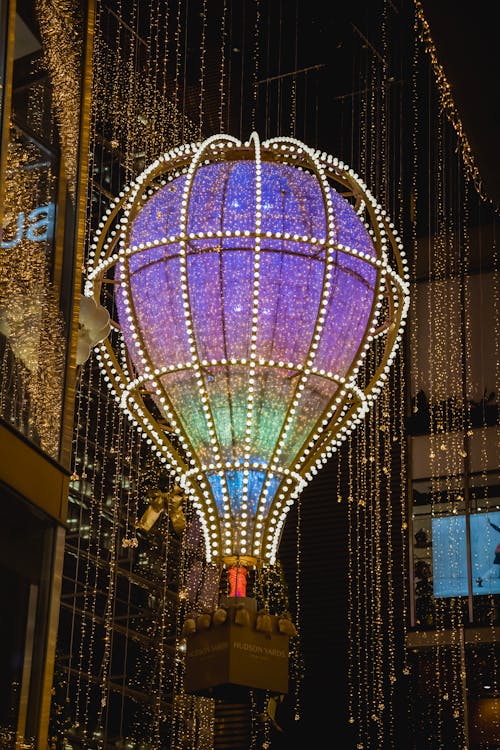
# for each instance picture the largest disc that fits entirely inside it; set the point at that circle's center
(449, 554)
(37, 226)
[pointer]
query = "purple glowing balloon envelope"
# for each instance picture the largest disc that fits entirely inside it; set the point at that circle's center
(250, 293)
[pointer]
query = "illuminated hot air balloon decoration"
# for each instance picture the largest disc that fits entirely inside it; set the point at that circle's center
(260, 295)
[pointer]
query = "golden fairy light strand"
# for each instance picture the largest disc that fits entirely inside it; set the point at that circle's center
(457, 343)
(486, 502)
(422, 29)
(375, 643)
(398, 426)
(85, 379)
(202, 66)
(256, 61)
(414, 360)
(353, 619)
(388, 551)
(242, 74)
(365, 554)
(356, 563)
(93, 552)
(166, 144)
(157, 717)
(222, 81)
(370, 668)
(109, 608)
(127, 472)
(383, 147)
(404, 505)
(97, 502)
(154, 57)
(459, 350)
(78, 520)
(177, 47)
(60, 28)
(100, 67)
(181, 707)
(297, 642)
(228, 68)
(132, 84)
(437, 392)
(86, 575)
(184, 69)
(380, 564)
(136, 487)
(254, 718)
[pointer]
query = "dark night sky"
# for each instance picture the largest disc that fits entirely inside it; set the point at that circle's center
(466, 39)
(324, 32)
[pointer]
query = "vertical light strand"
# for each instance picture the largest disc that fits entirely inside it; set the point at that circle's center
(184, 70)
(486, 427)
(256, 65)
(127, 543)
(267, 111)
(180, 706)
(293, 107)
(160, 677)
(222, 80)
(80, 451)
(460, 419)
(296, 646)
(436, 356)
(402, 366)
(228, 52)
(79, 420)
(355, 561)
(128, 535)
(82, 634)
(202, 68)
(387, 550)
(242, 71)
(118, 64)
(367, 592)
(352, 619)
(386, 606)
(154, 57)
(132, 96)
(373, 670)
(165, 94)
(378, 641)
(278, 43)
(97, 501)
(177, 74)
(111, 583)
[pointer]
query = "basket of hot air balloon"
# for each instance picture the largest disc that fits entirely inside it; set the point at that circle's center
(260, 297)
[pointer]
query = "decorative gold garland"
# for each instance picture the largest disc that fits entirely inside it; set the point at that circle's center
(61, 40)
(423, 33)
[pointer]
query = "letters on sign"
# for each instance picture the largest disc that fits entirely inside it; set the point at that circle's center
(37, 226)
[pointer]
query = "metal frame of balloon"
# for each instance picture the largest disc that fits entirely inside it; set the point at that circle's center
(350, 404)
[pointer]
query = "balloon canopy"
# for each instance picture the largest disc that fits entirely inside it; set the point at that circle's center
(259, 300)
